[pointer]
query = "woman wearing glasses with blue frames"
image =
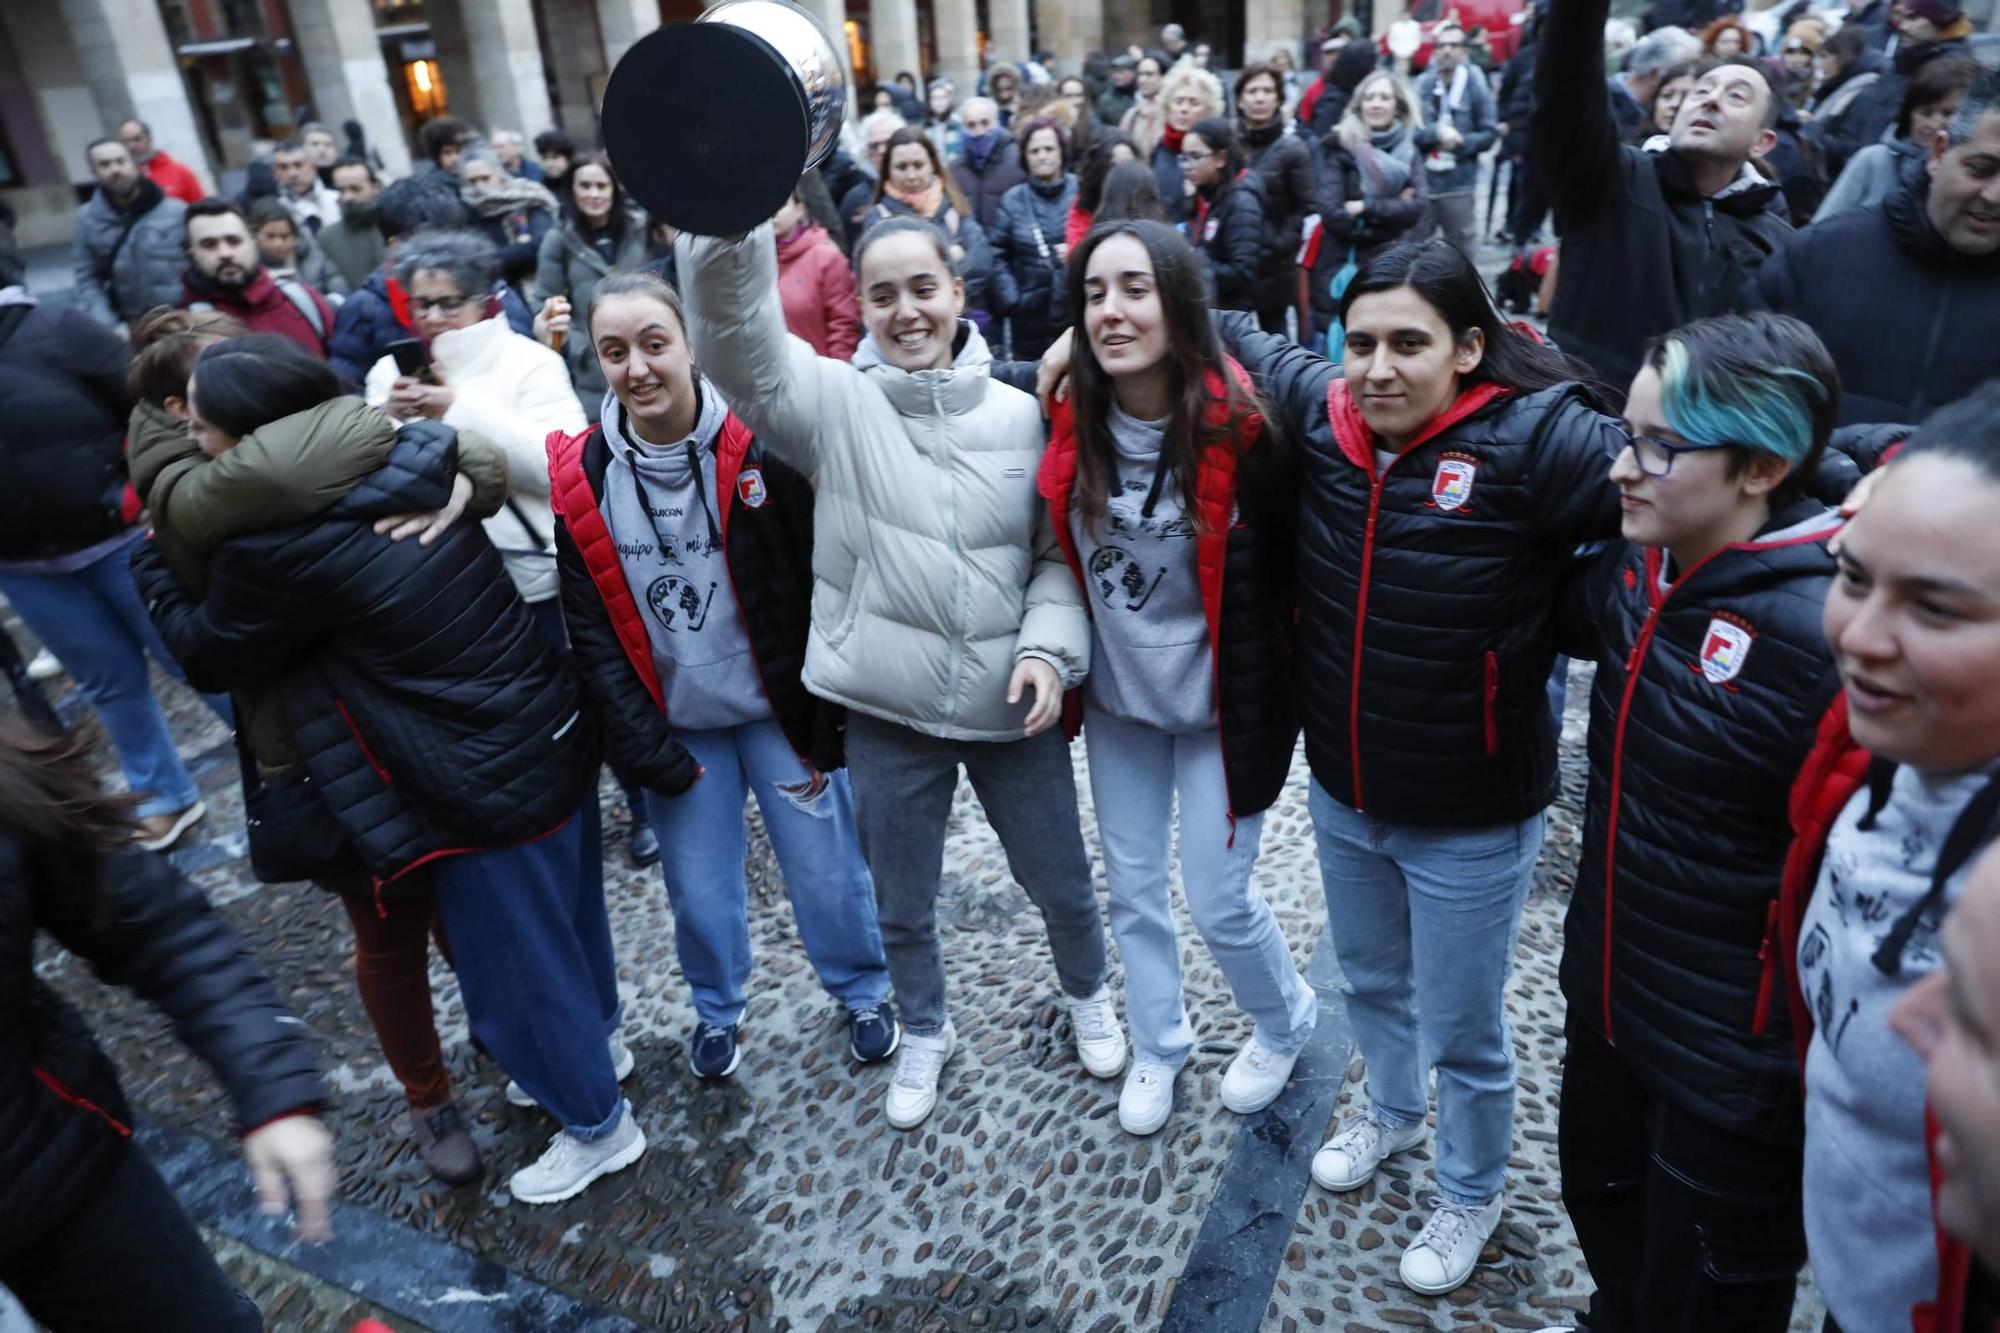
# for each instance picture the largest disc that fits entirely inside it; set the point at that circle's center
(1682, 1131)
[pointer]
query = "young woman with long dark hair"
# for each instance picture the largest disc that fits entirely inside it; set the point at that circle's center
(1450, 468)
(943, 615)
(1226, 213)
(1167, 490)
(601, 233)
(1111, 151)
(1282, 157)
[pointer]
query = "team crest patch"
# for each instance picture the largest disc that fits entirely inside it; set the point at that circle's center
(1451, 488)
(750, 487)
(1209, 229)
(1724, 649)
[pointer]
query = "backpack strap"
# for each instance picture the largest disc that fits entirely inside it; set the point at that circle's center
(303, 302)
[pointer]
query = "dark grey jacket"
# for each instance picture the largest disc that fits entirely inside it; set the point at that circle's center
(571, 267)
(121, 273)
(1475, 117)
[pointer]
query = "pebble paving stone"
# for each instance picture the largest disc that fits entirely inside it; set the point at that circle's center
(782, 1200)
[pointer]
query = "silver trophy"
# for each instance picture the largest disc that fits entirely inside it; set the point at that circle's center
(710, 124)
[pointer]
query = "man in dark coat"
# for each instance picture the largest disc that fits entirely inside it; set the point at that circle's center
(1907, 294)
(129, 246)
(1932, 30)
(1651, 240)
(988, 163)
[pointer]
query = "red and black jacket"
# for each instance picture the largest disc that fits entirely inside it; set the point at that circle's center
(1702, 713)
(1427, 588)
(1243, 564)
(1835, 771)
(765, 515)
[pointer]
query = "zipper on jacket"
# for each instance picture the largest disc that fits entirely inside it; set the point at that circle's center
(1361, 630)
(366, 753)
(1633, 661)
(1492, 692)
(81, 1102)
(1767, 972)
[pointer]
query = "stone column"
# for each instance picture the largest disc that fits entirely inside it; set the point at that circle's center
(133, 71)
(623, 22)
(1070, 28)
(832, 15)
(1008, 36)
(1269, 24)
(575, 56)
(958, 44)
(892, 31)
(1126, 22)
(492, 62)
(350, 79)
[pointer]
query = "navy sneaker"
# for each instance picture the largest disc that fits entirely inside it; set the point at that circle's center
(712, 1053)
(642, 845)
(874, 1034)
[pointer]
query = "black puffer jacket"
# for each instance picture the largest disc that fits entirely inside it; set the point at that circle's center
(1291, 191)
(768, 547)
(1707, 698)
(984, 189)
(427, 733)
(62, 460)
(1911, 322)
(63, 1120)
(1426, 591)
(1228, 227)
(1028, 274)
(1643, 252)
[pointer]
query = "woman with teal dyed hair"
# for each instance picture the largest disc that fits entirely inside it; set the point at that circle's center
(1682, 1133)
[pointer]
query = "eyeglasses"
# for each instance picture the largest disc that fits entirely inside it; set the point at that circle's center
(443, 305)
(1654, 455)
(1450, 46)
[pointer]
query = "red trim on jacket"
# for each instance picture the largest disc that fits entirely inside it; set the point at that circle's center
(1214, 506)
(575, 504)
(1834, 771)
(81, 1102)
(1356, 441)
(1635, 661)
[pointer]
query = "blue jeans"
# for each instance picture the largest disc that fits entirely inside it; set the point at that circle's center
(532, 946)
(1423, 922)
(1135, 772)
(92, 619)
(702, 844)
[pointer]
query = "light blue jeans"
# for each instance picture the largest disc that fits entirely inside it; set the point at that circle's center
(703, 839)
(1135, 772)
(91, 618)
(1423, 922)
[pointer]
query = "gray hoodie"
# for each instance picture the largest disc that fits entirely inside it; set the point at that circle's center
(1867, 1179)
(663, 518)
(1149, 634)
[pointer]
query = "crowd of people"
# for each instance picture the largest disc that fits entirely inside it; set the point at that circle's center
(1124, 404)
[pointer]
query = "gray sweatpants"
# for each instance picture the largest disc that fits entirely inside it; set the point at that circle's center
(903, 782)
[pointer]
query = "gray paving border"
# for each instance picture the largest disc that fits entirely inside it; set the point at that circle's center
(1230, 1273)
(402, 1270)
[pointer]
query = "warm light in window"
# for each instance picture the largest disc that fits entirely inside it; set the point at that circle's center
(421, 72)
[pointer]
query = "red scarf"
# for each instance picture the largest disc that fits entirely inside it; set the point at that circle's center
(1075, 227)
(1172, 137)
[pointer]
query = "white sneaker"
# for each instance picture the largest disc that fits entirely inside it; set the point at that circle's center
(622, 1065)
(1255, 1077)
(1148, 1096)
(1100, 1043)
(1442, 1256)
(913, 1090)
(570, 1165)
(1350, 1158)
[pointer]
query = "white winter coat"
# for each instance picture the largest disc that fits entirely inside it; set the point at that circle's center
(513, 391)
(935, 570)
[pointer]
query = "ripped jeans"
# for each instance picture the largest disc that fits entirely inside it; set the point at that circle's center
(703, 839)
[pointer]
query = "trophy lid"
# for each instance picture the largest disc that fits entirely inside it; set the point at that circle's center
(710, 124)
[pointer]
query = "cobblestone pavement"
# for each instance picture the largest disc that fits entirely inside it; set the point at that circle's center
(783, 1201)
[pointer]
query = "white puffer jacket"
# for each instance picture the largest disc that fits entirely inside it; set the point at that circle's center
(513, 391)
(935, 569)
